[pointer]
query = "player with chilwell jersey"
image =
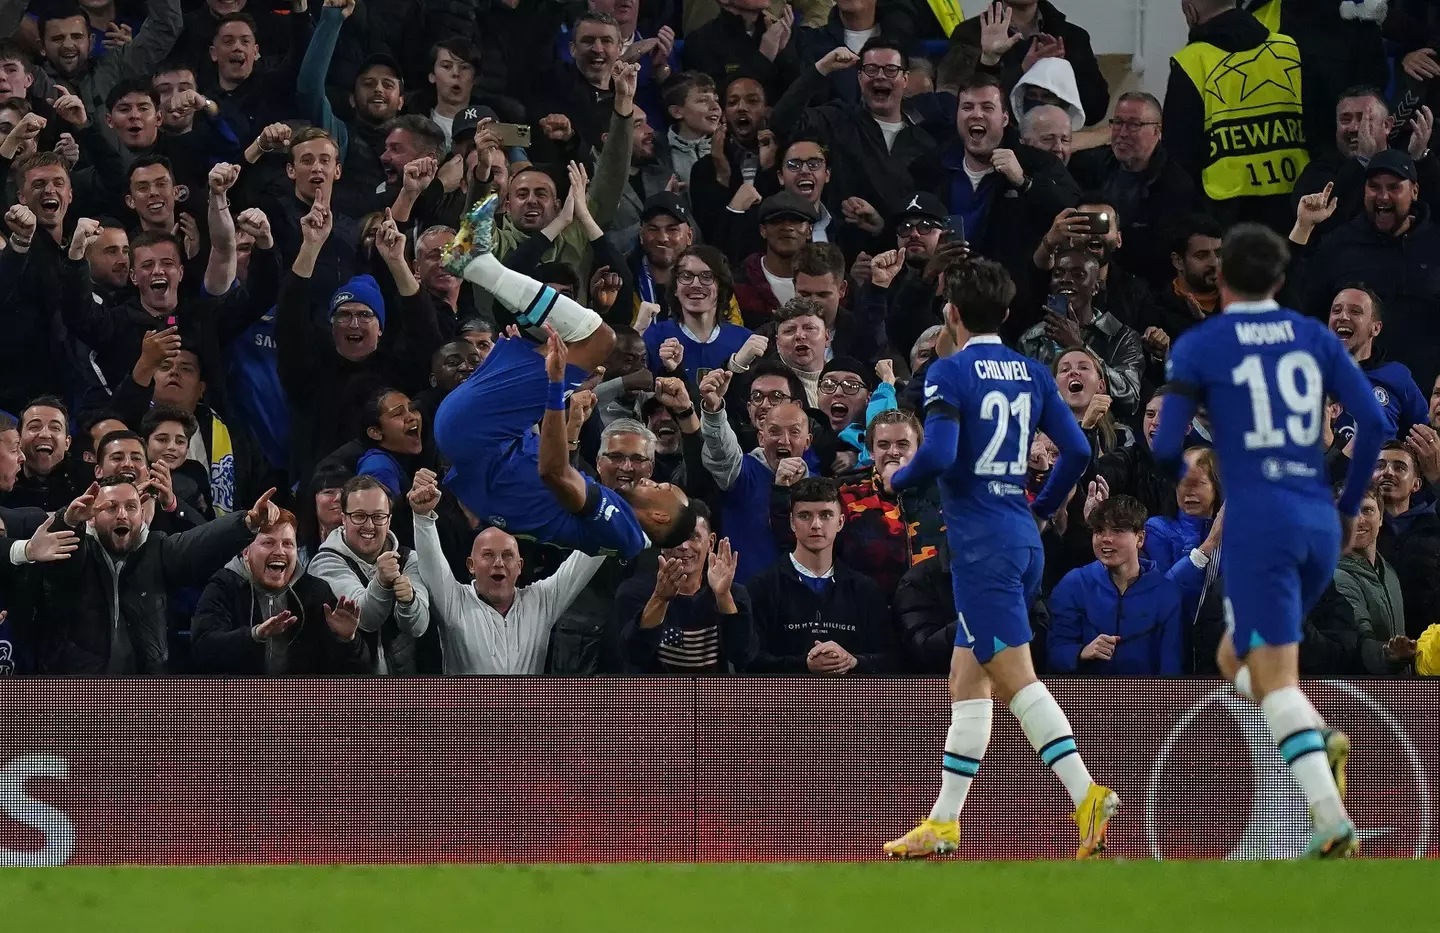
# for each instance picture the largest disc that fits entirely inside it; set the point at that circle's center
(982, 407)
(1263, 373)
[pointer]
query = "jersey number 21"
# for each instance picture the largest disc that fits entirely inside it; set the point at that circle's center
(1001, 409)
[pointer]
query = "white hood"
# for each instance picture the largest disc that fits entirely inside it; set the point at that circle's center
(1056, 76)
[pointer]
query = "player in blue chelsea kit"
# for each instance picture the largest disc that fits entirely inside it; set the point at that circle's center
(1263, 373)
(506, 473)
(983, 406)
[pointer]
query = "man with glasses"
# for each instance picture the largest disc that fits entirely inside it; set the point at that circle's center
(902, 286)
(362, 562)
(874, 145)
(1146, 187)
(627, 454)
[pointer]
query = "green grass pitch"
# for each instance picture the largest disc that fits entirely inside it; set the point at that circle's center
(987, 897)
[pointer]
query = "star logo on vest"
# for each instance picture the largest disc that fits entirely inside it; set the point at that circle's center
(1242, 75)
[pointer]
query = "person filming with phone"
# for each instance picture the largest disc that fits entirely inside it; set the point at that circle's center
(1070, 322)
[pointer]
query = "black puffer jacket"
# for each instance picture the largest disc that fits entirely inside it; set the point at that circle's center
(82, 596)
(924, 608)
(229, 609)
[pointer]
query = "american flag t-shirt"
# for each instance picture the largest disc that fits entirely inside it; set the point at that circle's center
(690, 649)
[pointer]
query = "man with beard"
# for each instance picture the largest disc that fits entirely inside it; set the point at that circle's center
(1363, 125)
(123, 563)
(407, 138)
(1003, 190)
(1194, 293)
(1355, 317)
(902, 287)
(250, 97)
(491, 626)
(122, 454)
(65, 41)
(1073, 284)
(767, 279)
(109, 259)
(47, 479)
(665, 233)
(376, 97)
(689, 616)
(1121, 291)
(746, 480)
(1387, 248)
(1145, 186)
(362, 562)
(874, 146)
(650, 174)
(258, 616)
(531, 202)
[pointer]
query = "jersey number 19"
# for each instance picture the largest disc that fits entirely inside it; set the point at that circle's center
(1000, 409)
(1297, 378)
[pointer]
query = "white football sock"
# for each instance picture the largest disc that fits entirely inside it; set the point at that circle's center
(965, 745)
(1049, 733)
(534, 303)
(1242, 684)
(1295, 726)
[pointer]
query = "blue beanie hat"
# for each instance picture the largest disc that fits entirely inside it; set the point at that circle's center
(363, 290)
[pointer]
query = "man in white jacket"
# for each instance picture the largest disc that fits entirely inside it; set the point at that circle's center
(491, 626)
(362, 561)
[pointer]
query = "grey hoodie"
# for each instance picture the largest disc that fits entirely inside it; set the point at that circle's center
(377, 601)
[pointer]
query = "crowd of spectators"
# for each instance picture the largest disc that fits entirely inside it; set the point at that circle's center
(226, 324)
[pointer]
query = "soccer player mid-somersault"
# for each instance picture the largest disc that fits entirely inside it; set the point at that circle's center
(982, 407)
(1263, 373)
(506, 474)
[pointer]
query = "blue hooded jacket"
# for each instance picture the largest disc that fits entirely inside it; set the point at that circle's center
(1086, 603)
(1401, 401)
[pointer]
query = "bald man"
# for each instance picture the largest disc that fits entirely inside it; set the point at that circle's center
(1048, 127)
(491, 626)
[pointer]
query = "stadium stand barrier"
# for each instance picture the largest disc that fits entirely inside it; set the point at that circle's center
(482, 770)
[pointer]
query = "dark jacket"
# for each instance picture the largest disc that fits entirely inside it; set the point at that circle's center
(1146, 616)
(1330, 637)
(1402, 270)
(861, 166)
(1117, 346)
(1132, 471)
(221, 640)
(693, 630)
(31, 355)
(1373, 592)
(812, 43)
(925, 615)
(1147, 203)
(56, 491)
(790, 618)
(565, 90)
(1347, 173)
(1094, 91)
(77, 615)
(724, 48)
(1015, 220)
(1411, 543)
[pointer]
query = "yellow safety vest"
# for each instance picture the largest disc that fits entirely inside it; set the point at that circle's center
(948, 14)
(1268, 15)
(1254, 123)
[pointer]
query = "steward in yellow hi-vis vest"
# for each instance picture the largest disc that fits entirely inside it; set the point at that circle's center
(1254, 123)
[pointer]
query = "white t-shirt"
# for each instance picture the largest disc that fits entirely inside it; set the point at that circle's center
(975, 176)
(445, 123)
(784, 289)
(855, 39)
(891, 130)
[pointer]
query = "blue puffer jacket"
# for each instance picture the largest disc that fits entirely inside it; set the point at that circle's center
(1086, 603)
(1169, 539)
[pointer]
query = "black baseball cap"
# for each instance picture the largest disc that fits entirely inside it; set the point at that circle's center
(463, 129)
(785, 204)
(848, 364)
(1391, 162)
(664, 202)
(922, 204)
(380, 58)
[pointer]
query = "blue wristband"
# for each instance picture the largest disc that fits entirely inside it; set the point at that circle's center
(555, 400)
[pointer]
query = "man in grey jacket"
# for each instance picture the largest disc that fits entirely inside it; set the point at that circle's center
(362, 561)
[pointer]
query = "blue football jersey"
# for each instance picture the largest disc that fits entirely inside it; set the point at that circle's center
(1263, 374)
(1002, 399)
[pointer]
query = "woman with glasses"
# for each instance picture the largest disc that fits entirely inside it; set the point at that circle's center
(695, 339)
